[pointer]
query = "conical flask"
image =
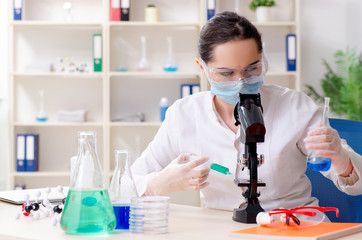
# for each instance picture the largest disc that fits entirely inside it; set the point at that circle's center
(314, 161)
(170, 65)
(88, 209)
(122, 188)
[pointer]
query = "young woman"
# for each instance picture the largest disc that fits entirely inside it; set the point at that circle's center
(231, 56)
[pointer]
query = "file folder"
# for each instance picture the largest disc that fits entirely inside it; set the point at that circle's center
(18, 9)
(115, 11)
(125, 6)
(20, 153)
(211, 6)
(291, 42)
(31, 152)
(97, 52)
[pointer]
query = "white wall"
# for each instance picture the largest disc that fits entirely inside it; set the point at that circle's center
(3, 92)
(327, 26)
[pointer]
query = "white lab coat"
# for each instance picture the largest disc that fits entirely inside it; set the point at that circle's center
(193, 126)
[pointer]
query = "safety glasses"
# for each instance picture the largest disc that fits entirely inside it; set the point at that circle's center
(226, 77)
(297, 217)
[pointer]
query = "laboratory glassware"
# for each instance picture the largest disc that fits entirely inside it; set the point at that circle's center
(67, 6)
(41, 116)
(143, 65)
(170, 65)
(149, 215)
(88, 209)
(122, 188)
(314, 161)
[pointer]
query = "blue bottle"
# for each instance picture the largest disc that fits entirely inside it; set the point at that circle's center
(163, 108)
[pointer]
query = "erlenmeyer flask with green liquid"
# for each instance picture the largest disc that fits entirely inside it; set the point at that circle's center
(88, 209)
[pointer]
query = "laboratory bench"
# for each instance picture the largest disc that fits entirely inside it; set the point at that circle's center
(185, 222)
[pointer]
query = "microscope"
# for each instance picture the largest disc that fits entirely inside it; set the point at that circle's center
(248, 114)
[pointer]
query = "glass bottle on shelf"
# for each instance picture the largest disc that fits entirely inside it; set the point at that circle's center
(170, 65)
(314, 161)
(122, 188)
(143, 65)
(88, 209)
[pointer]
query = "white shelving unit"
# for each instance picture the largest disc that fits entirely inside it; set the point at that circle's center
(41, 38)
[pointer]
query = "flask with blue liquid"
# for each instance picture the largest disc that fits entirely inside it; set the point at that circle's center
(314, 161)
(170, 65)
(122, 189)
(41, 116)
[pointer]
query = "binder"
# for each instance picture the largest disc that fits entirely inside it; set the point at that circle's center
(195, 88)
(18, 9)
(97, 52)
(115, 10)
(189, 89)
(20, 153)
(125, 5)
(31, 152)
(291, 42)
(211, 6)
(185, 90)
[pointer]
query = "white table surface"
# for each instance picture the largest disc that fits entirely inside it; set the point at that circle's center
(185, 222)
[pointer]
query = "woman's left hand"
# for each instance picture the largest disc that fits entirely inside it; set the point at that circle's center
(327, 143)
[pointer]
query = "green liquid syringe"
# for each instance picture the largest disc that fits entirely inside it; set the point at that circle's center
(220, 169)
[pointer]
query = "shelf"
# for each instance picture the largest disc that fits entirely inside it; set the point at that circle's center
(154, 74)
(41, 174)
(276, 74)
(108, 94)
(57, 74)
(275, 24)
(58, 124)
(55, 24)
(157, 24)
(135, 124)
(181, 74)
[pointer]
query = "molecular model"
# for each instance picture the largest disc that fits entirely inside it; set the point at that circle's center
(33, 209)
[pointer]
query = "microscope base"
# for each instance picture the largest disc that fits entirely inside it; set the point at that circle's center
(247, 213)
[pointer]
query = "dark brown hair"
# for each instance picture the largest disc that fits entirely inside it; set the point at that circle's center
(225, 27)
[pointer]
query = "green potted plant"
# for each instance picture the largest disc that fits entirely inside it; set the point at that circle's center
(262, 9)
(343, 85)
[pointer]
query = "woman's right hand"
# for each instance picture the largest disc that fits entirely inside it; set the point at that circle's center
(180, 175)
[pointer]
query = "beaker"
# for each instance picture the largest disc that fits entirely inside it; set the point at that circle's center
(314, 161)
(122, 188)
(88, 209)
